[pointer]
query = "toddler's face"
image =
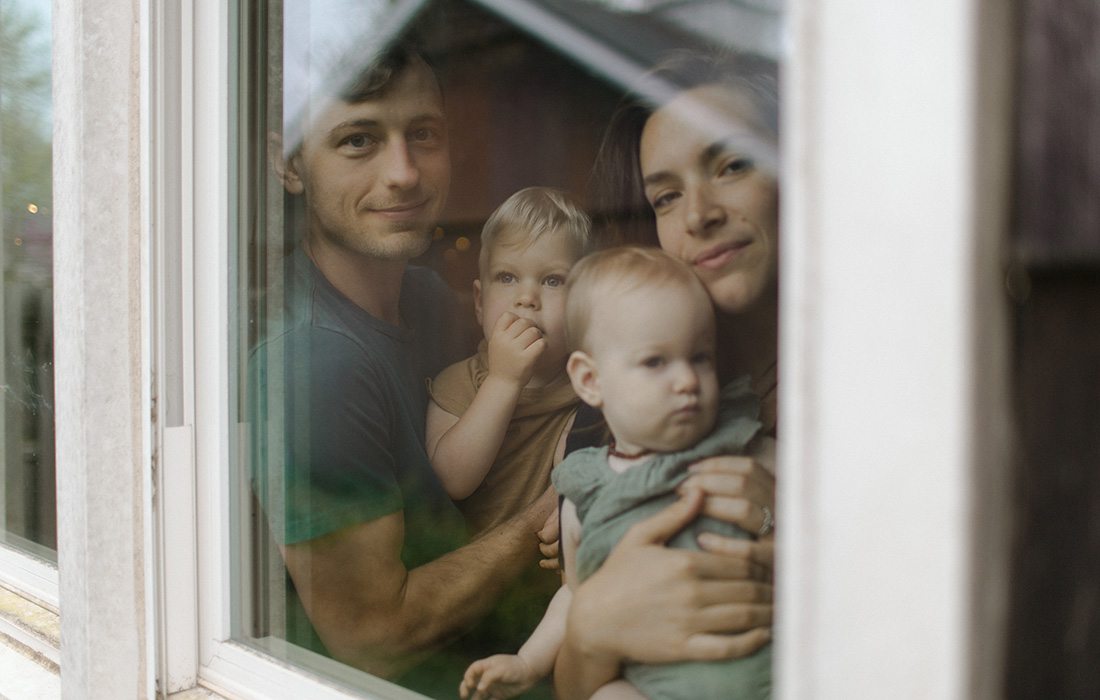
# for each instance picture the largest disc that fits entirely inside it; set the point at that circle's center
(653, 351)
(528, 279)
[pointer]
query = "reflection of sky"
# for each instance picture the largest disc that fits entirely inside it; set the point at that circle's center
(325, 41)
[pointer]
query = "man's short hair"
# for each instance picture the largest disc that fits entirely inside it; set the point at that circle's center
(615, 271)
(532, 212)
(352, 80)
(378, 76)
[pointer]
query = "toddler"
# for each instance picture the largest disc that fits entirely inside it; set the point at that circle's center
(642, 331)
(497, 421)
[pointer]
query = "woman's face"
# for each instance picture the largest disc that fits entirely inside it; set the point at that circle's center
(716, 208)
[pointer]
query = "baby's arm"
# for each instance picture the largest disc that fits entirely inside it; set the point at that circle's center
(463, 449)
(508, 675)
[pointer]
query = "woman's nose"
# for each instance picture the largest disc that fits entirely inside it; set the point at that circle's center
(703, 211)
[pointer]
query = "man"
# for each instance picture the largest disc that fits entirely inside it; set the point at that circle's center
(364, 528)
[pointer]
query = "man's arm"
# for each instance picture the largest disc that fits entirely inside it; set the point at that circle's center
(374, 614)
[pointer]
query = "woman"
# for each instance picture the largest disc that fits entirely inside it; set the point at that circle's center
(693, 169)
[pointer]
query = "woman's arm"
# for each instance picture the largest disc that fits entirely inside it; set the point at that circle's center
(682, 605)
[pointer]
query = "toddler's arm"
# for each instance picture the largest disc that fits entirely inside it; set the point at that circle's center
(509, 675)
(463, 449)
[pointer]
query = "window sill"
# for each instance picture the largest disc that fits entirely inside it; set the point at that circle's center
(29, 648)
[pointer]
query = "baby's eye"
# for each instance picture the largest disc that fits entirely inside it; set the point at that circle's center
(554, 281)
(653, 361)
(701, 358)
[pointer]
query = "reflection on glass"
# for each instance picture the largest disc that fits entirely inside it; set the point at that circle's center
(27, 505)
(345, 173)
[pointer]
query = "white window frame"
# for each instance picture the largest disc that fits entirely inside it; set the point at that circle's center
(942, 540)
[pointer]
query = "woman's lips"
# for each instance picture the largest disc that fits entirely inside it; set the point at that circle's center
(720, 255)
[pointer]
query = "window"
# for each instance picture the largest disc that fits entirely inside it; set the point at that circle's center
(528, 89)
(28, 521)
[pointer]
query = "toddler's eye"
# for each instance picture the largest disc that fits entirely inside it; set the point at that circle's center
(506, 277)
(554, 281)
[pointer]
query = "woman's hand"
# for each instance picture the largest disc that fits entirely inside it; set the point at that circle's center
(739, 490)
(549, 546)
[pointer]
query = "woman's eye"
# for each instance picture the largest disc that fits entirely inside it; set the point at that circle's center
(663, 200)
(737, 166)
(554, 281)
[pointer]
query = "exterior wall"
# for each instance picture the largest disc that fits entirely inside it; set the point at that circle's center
(866, 526)
(103, 411)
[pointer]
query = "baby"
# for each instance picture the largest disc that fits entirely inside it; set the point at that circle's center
(642, 331)
(497, 421)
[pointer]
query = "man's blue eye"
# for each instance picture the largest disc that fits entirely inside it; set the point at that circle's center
(358, 141)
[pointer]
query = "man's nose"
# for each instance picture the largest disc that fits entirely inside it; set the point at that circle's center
(703, 210)
(400, 168)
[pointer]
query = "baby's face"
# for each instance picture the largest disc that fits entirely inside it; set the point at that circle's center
(528, 279)
(653, 349)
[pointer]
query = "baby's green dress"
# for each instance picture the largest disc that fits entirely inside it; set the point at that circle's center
(608, 503)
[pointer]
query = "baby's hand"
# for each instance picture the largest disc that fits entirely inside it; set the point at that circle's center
(514, 347)
(497, 678)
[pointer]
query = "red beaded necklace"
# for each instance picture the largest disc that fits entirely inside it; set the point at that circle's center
(611, 451)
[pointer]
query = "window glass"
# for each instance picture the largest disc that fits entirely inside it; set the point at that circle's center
(374, 138)
(28, 519)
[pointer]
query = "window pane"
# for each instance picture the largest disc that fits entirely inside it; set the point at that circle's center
(28, 505)
(374, 140)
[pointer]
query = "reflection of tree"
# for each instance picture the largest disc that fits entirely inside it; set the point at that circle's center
(26, 320)
(24, 114)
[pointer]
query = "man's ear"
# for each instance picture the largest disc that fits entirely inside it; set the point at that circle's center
(585, 378)
(285, 169)
(477, 301)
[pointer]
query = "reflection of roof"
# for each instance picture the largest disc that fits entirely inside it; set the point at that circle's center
(616, 39)
(642, 36)
(621, 45)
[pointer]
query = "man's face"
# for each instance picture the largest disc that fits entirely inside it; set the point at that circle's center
(375, 174)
